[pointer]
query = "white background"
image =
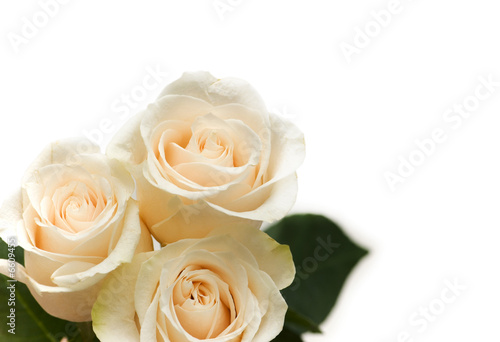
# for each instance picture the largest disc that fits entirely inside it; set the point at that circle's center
(358, 118)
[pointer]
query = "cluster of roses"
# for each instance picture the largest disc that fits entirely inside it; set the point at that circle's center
(199, 170)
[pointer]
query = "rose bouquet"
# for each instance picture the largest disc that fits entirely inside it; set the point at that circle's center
(159, 238)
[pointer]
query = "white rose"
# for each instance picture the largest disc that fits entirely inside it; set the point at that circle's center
(224, 287)
(206, 152)
(77, 222)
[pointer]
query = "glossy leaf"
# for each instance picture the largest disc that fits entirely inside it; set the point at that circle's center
(324, 257)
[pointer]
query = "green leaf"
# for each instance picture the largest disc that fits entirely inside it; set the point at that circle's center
(323, 256)
(32, 323)
(287, 336)
(298, 322)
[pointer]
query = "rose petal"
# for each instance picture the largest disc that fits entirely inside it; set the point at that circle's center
(288, 148)
(264, 249)
(215, 91)
(121, 253)
(113, 314)
(269, 203)
(127, 144)
(66, 151)
(10, 215)
(58, 301)
(194, 220)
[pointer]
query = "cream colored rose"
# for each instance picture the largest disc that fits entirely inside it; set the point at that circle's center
(207, 152)
(77, 222)
(224, 287)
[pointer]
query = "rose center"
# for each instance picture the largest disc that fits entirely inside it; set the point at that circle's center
(203, 304)
(76, 206)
